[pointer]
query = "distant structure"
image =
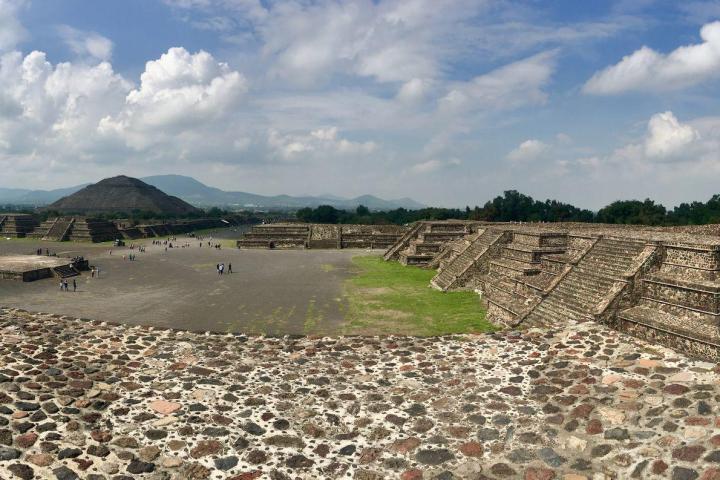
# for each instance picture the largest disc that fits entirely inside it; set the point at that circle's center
(121, 194)
(317, 235)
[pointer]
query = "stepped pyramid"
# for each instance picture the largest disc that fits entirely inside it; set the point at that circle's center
(121, 194)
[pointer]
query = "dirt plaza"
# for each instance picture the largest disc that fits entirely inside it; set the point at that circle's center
(273, 292)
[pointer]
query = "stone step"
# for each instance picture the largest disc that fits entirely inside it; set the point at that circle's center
(680, 311)
(691, 328)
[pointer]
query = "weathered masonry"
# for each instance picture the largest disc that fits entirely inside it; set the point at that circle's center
(658, 284)
(305, 235)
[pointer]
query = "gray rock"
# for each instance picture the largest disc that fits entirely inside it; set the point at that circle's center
(434, 457)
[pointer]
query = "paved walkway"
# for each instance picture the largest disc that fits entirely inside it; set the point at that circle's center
(82, 399)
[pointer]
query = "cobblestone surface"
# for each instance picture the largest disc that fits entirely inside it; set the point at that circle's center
(82, 399)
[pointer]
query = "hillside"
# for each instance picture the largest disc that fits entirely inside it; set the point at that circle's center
(121, 194)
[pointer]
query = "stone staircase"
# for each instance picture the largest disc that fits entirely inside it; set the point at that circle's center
(582, 291)
(429, 241)
(458, 271)
(65, 271)
(393, 252)
(679, 305)
(517, 279)
(59, 229)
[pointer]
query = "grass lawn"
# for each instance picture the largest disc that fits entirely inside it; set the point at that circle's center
(389, 298)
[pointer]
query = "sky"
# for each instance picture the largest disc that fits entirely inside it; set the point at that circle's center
(449, 102)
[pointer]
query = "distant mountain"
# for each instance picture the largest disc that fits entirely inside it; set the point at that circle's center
(121, 194)
(21, 196)
(199, 194)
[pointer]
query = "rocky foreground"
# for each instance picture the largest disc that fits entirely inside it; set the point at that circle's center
(82, 399)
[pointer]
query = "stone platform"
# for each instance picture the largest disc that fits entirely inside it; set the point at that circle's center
(83, 399)
(28, 268)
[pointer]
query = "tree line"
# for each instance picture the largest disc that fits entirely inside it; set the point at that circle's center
(513, 206)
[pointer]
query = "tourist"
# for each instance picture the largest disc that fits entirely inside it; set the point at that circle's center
(229, 267)
(65, 285)
(92, 272)
(61, 285)
(74, 285)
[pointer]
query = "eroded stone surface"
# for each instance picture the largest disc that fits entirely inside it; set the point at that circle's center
(81, 399)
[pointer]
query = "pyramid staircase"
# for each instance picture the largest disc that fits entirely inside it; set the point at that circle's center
(58, 229)
(602, 273)
(3, 218)
(430, 240)
(457, 271)
(679, 305)
(393, 252)
(517, 278)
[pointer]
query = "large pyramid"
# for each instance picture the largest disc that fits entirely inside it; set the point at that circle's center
(121, 194)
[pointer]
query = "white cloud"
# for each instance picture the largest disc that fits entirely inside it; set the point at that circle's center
(511, 86)
(434, 165)
(321, 142)
(178, 92)
(667, 136)
(414, 90)
(11, 30)
(646, 69)
(528, 150)
(86, 44)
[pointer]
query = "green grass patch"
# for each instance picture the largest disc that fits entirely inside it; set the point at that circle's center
(387, 297)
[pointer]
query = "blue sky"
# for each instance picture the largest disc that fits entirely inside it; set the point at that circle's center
(446, 101)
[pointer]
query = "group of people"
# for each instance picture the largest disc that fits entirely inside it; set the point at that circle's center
(130, 256)
(221, 268)
(64, 287)
(39, 251)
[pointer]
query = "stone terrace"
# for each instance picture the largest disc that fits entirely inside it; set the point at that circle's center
(81, 399)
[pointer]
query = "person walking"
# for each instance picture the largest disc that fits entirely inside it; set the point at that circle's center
(229, 268)
(65, 285)
(61, 285)
(74, 285)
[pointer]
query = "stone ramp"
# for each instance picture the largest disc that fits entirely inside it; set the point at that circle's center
(456, 271)
(579, 294)
(87, 399)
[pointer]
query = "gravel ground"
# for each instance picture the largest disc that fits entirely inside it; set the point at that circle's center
(85, 399)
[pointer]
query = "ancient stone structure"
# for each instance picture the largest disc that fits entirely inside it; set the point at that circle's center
(121, 194)
(62, 229)
(17, 225)
(424, 242)
(28, 268)
(305, 235)
(660, 284)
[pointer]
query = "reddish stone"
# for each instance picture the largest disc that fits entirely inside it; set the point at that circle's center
(458, 432)
(594, 427)
(539, 473)
(676, 389)
(658, 467)
(82, 463)
(715, 440)
(411, 475)
(697, 421)
(688, 454)
(164, 407)
(711, 474)
(247, 475)
(582, 411)
(26, 440)
(205, 448)
(406, 445)
(101, 436)
(322, 450)
(472, 449)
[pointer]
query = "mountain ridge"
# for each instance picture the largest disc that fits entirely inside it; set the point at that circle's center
(198, 194)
